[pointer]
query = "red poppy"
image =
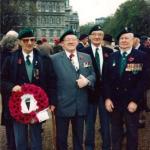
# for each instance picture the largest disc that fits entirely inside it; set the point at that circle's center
(19, 61)
(131, 59)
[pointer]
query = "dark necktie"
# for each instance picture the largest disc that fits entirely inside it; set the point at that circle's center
(123, 62)
(71, 56)
(28, 60)
(97, 58)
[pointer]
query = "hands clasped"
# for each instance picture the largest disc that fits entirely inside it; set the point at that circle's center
(82, 81)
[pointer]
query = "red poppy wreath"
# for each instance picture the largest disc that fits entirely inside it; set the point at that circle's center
(28, 104)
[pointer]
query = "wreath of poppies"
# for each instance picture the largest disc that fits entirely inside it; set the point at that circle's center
(15, 103)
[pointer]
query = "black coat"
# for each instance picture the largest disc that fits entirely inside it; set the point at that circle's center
(98, 90)
(130, 86)
(14, 73)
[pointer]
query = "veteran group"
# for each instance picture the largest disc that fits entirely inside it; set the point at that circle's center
(77, 80)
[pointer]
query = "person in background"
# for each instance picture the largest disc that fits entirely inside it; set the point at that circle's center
(45, 48)
(125, 80)
(57, 45)
(83, 41)
(8, 44)
(99, 55)
(75, 76)
(108, 40)
(29, 66)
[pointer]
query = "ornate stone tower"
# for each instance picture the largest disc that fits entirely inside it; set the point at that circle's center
(48, 18)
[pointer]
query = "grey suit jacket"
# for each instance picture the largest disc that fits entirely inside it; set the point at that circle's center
(71, 99)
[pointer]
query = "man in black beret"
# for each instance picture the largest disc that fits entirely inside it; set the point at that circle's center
(83, 41)
(125, 80)
(99, 55)
(27, 65)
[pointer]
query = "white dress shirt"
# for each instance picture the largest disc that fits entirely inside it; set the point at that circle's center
(74, 59)
(30, 54)
(100, 52)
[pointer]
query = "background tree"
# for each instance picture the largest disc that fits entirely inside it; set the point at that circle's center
(133, 13)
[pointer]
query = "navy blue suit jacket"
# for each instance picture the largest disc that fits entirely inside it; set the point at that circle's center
(98, 90)
(129, 86)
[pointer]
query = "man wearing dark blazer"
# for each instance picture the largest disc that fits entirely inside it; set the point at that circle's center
(75, 76)
(96, 97)
(39, 71)
(125, 81)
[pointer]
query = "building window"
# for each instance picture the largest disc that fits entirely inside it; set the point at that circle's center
(51, 33)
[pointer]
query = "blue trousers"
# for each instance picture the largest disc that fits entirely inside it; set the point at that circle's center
(118, 119)
(104, 123)
(21, 136)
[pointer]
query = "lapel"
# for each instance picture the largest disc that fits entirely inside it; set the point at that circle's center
(22, 67)
(37, 67)
(116, 63)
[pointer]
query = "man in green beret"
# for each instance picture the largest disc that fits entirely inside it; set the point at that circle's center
(27, 65)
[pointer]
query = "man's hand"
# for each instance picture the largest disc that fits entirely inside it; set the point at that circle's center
(16, 88)
(109, 105)
(132, 107)
(51, 108)
(82, 81)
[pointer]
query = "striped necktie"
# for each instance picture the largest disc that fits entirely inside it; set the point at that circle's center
(97, 58)
(123, 62)
(28, 60)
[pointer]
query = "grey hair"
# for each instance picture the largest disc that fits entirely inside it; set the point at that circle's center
(8, 42)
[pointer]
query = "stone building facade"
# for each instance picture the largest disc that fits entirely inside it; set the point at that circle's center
(48, 18)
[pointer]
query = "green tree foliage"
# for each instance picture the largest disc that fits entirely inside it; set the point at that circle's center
(17, 13)
(84, 29)
(134, 14)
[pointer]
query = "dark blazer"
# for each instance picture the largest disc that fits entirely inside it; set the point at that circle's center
(14, 73)
(94, 95)
(80, 46)
(72, 100)
(131, 85)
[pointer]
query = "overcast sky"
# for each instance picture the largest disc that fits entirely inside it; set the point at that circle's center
(88, 10)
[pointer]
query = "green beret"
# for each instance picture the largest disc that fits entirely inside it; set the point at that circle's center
(26, 32)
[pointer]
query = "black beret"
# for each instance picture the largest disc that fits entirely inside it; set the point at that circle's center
(68, 32)
(83, 36)
(143, 38)
(124, 31)
(26, 32)
(95, 28)
(108, 38)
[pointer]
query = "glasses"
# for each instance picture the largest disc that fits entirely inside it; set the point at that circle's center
(97, 34)
(26, 40)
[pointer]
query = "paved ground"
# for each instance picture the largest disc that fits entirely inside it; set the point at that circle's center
(144, 137)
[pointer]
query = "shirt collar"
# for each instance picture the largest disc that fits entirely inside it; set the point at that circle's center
(127, 51)
(68, 53)
(94, 47)
(25, 55)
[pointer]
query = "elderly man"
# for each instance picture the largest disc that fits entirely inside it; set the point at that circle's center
(124, 82)
(99, 55)
(75, 76)
(27, 65)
